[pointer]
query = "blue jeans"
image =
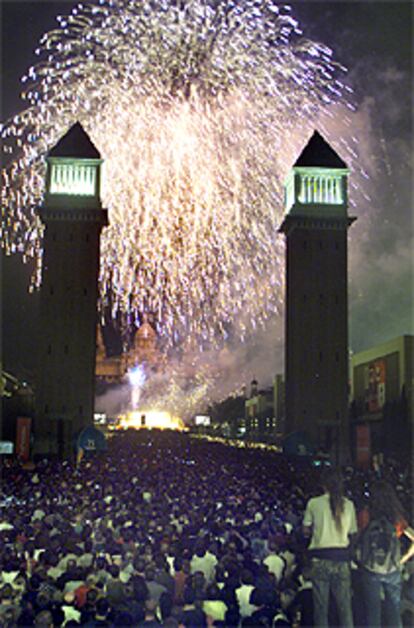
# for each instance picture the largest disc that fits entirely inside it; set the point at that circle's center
(331, 576)
(390, 584)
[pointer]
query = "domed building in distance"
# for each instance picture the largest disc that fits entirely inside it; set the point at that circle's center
(144, 351)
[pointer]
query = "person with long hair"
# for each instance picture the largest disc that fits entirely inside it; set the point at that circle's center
(330, 520)
(382, 578)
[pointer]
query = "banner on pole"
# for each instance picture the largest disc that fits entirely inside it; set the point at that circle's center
(24, 425)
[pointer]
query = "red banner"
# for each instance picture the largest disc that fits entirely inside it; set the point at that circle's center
(363, 446)
(375, 385)
(23, 438)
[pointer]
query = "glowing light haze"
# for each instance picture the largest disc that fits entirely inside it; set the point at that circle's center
(153, 418)
(198, 109)
(136, 378)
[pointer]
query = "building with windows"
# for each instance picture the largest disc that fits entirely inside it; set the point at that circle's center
(264, 412)
(144, 351)
(109, 369)
(382, 408)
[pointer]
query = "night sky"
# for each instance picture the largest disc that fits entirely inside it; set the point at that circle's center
(374, 41)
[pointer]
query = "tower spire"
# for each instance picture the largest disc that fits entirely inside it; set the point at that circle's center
(318, 153)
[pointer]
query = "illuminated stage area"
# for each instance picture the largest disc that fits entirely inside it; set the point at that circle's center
(142, 419)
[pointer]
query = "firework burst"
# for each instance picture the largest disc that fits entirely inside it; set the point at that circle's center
(194, 106)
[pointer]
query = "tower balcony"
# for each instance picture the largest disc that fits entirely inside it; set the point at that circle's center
(316, 187)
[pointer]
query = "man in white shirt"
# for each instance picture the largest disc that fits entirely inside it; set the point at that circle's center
(325, 533)
(205, 562)
(331, 520)
(243, 593)
(274, 562)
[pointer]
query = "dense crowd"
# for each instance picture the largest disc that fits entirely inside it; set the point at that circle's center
(165, 529)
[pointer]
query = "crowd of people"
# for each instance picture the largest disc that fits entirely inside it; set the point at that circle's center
(167, 529)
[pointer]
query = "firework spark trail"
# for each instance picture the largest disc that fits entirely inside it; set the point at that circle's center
(192, 105)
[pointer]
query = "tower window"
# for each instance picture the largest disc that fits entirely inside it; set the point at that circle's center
(85, 292)
(87, 237)
(336, 245)
(75, 179)
(49, 349)
(66, 349)
(305, 244)
(320, 356)
(80, 409)
(52, 290)
(320, 244)
(304, 298)
(321, 298)
(320, 188)
(46, 408)
(64, 408)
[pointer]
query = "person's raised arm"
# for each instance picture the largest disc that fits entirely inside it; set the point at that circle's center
(409, 532)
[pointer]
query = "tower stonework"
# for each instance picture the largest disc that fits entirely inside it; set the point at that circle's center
(73, 219)
(316, 320)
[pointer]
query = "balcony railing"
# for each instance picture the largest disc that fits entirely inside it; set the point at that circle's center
(73, 179)
(319, 188)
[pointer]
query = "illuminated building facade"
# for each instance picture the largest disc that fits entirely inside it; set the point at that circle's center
(110, 369)
(264, 412)
(316, 339)
(260, 419)
(144, 351)
(144, 348)
(73, 219)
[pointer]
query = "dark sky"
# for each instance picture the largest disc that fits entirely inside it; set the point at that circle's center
(374, 40)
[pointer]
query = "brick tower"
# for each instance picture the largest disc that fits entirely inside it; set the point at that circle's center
(73, 218)
(316, 340)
